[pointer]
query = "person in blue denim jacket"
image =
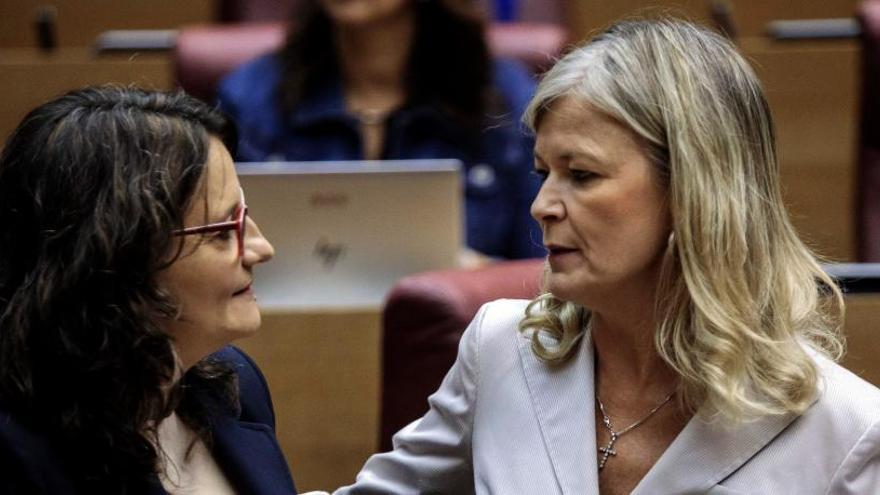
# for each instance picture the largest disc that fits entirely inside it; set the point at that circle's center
(397, 79)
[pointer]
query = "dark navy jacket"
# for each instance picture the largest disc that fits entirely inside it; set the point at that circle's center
(245, 446)
(499, 184)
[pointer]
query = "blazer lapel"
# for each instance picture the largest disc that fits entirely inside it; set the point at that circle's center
(249, 454)
(712, 452)
(562, 397)
(704, 454)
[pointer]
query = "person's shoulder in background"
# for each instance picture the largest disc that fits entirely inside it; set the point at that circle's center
(253, 81)
(249, 96)
(515, 83)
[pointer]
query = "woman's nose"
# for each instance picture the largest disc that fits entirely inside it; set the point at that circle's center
(257, 249)
(547, 206)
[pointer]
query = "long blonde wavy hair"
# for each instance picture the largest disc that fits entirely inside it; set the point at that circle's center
(741, 298)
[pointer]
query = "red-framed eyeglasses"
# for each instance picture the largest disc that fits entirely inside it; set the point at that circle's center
(239, 225)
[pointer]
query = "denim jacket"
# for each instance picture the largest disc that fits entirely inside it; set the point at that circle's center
(497, 162)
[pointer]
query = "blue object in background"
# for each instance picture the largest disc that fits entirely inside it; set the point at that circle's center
(505, 10)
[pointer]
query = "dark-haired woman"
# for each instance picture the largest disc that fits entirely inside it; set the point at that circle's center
(397, 79)
(126, 267)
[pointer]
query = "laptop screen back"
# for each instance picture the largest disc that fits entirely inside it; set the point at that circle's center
(345, 232)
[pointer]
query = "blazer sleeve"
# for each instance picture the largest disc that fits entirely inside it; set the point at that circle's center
(433, 453)
(860, 471)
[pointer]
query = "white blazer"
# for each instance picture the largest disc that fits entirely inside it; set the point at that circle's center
(505, 422)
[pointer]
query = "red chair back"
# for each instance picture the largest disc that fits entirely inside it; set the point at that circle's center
(423, 320)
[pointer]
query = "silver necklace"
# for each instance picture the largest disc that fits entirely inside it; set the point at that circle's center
(608, 450)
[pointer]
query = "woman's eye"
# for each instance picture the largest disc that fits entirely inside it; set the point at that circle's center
(581, 175)
(223, 235)
(541, 174)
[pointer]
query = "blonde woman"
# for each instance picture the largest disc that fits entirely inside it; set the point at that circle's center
(687, 337)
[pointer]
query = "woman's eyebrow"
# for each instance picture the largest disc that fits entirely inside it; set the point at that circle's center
(570, 155)
(585, 152)
(537, 157)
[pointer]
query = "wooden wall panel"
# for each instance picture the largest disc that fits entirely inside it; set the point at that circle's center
(586, 17)
(813, 90)
(323, 369)
(862, 331)
(751, 18)
(78, 22)
(29, 78)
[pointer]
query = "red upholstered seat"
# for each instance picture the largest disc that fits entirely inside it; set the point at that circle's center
(205, 53)
(424, 318)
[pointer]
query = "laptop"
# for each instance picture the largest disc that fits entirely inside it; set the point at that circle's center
(345, 231)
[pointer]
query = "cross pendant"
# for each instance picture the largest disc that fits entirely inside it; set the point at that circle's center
(607, 451)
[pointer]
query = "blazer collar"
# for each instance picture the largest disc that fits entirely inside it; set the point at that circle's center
(250, 456)
(563, 401)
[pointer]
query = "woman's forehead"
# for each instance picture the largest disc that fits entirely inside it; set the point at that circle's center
(220, 189)
(220, 175)
(571, 122)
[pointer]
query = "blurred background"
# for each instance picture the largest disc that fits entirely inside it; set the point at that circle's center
(325, 366)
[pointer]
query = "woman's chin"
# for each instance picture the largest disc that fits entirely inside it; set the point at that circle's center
(246, 326)
(563, 287)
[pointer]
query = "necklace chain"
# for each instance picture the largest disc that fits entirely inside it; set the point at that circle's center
(608, 450)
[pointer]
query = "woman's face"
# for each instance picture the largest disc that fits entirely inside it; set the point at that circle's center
(357, 13)
(210, 282)
(602, 206)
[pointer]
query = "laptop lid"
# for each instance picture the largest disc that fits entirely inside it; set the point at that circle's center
(345, 231)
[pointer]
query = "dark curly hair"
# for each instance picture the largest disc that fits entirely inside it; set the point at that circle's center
(449, 63)
(92, 186)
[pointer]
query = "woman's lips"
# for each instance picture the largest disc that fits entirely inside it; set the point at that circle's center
(553, 249)
(558, 254)
(245, 290)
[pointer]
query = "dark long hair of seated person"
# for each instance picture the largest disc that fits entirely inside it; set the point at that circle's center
(93, 186)
(449, 40)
